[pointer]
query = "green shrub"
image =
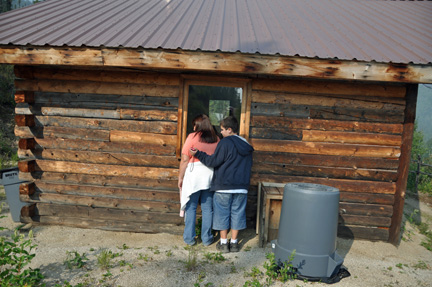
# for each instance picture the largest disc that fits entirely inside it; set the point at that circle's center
(420, 147)
(16, 253)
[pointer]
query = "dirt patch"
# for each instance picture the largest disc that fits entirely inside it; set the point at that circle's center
(162, 260)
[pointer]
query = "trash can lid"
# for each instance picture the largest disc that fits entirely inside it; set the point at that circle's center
(310, 187)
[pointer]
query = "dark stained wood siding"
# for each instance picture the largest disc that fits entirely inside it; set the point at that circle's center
(103, 145)
(100, 146)
(346, 135)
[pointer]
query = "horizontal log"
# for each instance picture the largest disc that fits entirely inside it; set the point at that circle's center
(109, 192)
(366, 209)
(117, 147)
(363, 232)
(25, 120)
(352, 137)
(162, 127)
(103, 110)
(330, 172)
(101, 157)
(328, 100)
(282, 110)
(346, 114)
(364, 197)
(24, 97)
(130, 77)
(115, 181)
(124, 136)
(106, 169)
(325, 160)
(374, 221)
(344, 185)
(101, 88)
(82, 113)
(325, 125)
(110, 225)
(155, 206)
(149, 115)
(249, 64)
(336, 149)
(63, 133)
(95, 101)
(27, 188)
(85, 212)
(26, 109)
(124, 114)
(282, 133)
(334, 88)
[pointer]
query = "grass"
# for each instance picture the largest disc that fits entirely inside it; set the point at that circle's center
(192, 262)
(74, 260)
(214, 256)
(105, 258)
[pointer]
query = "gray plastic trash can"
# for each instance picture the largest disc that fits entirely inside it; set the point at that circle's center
(308, 225)
(10, 180)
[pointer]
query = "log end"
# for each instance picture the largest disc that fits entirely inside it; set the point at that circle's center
(27, 165)
(27, 188)
(28, 143)
(25, 120)
(24, 97)
(28, 211)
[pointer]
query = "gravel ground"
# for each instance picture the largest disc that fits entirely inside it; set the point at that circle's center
(162, 260)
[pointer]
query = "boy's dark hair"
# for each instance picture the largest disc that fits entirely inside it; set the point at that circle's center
(230, 122)
(204, 128)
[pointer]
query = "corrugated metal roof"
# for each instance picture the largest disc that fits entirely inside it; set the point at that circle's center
(382, 31)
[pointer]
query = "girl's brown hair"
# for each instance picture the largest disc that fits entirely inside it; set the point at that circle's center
(204, 128)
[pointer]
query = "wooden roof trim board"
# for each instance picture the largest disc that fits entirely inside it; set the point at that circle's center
(199, 61)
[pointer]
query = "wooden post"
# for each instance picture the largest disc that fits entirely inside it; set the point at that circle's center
(404, 161)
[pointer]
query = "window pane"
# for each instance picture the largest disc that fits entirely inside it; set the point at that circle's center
(216, 102)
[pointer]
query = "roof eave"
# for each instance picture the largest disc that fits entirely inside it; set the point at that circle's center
(222, 62)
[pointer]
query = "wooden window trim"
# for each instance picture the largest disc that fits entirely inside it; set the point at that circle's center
(188, 80)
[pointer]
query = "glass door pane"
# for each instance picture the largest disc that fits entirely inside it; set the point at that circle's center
(216, 102)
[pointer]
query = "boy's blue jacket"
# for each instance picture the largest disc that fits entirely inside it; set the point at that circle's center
(232, 163)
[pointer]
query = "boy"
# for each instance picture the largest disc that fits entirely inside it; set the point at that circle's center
(232, 163)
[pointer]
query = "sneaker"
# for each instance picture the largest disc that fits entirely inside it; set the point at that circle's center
(234, 247)
(224, 248)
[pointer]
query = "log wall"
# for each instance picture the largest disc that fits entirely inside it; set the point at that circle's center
(345, 135)
(98, 148)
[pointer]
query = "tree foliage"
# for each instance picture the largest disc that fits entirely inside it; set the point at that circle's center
(423, 150)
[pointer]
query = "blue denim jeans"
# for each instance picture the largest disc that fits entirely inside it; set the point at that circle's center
(229, 211)
(206, 199)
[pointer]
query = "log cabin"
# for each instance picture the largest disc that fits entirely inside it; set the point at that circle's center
(325, 91)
